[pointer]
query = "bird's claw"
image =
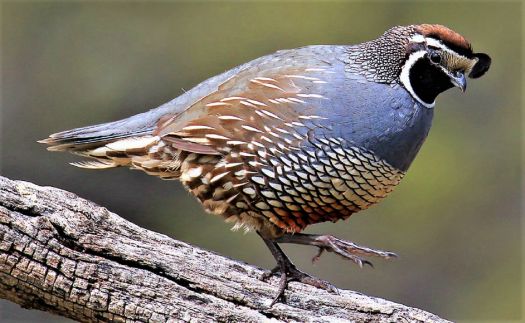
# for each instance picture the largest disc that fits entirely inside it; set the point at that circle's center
(290, 273)
(269, 273)
(349, 250)
(318, 255)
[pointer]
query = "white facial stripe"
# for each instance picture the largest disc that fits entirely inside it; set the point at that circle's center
(437, 43)
(405, 76)
(417, 38)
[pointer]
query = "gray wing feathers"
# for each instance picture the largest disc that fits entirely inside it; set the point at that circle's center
(144, 124)
(138, 125)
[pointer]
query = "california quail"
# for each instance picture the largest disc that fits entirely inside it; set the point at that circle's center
(294, 138)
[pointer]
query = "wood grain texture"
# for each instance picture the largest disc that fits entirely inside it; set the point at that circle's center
(66, 255)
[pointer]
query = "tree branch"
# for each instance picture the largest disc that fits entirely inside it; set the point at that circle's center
(66, 255)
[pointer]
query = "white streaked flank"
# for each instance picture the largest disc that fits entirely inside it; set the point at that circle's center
(216, 136)
(250, 128)
(228, 117)
(190, 128)
(218, 177)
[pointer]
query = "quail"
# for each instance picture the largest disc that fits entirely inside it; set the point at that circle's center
(294, 138)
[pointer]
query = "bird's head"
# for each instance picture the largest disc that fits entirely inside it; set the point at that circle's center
(437, 59)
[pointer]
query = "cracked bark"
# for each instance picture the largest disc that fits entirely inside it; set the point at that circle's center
(66, 255)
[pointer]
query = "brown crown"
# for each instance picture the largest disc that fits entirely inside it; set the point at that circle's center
(449, 37)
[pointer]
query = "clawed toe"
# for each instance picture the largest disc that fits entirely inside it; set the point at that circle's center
(345, 249)
(269, 273)
(314, 281)
(318, 255)
(290, 273)
(351, 250)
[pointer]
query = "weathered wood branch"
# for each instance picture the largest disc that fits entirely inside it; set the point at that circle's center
(66, 255)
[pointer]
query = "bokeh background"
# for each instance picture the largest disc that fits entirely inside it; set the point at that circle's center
(454, 220)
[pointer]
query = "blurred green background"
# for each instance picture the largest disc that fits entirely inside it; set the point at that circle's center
(454, 220)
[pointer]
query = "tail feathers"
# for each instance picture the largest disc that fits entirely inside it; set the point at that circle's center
(112, 144)
(139, 150)
(81, 139)
(108, 151)
(95, 164)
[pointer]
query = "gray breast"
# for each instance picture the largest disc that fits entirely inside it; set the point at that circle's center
(381, 118)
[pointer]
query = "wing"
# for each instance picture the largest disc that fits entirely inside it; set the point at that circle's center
(266, 109)
(254, 124)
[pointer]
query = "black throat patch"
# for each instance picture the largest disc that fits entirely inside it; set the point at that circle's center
(428, 80)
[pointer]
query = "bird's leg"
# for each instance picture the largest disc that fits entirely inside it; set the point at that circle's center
(345, 249)
(289, 272)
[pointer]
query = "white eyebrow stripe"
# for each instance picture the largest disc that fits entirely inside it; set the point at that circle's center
(417, 38)
(435, 43)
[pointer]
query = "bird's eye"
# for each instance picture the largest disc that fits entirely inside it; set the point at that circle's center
(435, 58)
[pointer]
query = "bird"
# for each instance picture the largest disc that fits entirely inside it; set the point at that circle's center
(294, 138)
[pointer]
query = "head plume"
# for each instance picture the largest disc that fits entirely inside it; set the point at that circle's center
(458, 44)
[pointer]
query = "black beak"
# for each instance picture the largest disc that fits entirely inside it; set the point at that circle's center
(459, 80)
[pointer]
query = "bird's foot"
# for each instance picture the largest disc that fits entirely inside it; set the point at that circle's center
(269, 273)
(290, 273)
(345, 249)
